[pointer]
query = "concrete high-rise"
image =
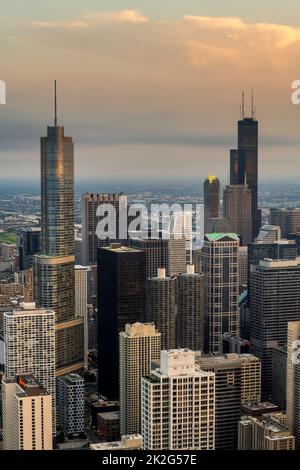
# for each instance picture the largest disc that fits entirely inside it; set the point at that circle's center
(54, 272)
(238, 380)
(139, 346)
(71, 404)
(121, 297)
(81, 303)
(293, 380)
(220, 264)
(237, 211)
(29, 338)
(178, 404)
(264, 432)
(274, 286)
(27, 414)
(161, 307)
(190, 310)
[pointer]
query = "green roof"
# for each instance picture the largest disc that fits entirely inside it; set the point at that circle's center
(216, 237)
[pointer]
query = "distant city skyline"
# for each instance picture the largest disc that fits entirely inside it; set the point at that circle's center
(158, 89)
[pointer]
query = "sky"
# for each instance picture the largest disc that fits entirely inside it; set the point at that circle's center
(149, 89)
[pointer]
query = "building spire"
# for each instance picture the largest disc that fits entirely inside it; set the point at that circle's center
(252, 105)
(55, 105)
(243, 105)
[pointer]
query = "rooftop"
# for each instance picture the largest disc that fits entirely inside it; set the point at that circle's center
(216, 237)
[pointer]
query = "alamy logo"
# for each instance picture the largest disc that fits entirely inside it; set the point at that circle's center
(2, 92)
(296, 94)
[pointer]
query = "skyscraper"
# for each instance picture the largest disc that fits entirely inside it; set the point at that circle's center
(121, 300)
(237, 380)
(220, 266)
(156, 253)
(29, 338)
(90, 220)
(244, 162)
(190, 310)
(275, 286)
(81, 303)
(161, 307)
(71, 404)
(139, 346)
(211, 193)
(27, 413)
(178, 404)
(54, 272)
(237, 211)
(293, 381)
(287, 219)
(28, 244)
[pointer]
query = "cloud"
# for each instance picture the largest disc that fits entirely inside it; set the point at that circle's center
(95, 19)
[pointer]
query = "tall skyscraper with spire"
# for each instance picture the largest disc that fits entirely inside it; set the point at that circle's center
(54, 269)
(244, 161)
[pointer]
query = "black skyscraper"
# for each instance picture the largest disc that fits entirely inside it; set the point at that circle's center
(121, 300)
(244, 163)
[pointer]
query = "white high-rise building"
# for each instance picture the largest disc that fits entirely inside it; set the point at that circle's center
(293, 380)
(27, 414)
(29, 337)
(139, 346)
(81, 303)
(178, 404)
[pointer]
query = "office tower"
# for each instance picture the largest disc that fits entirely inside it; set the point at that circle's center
(54, 288)
(190, 310)
(220, 266)
(211, 191)
(139, 346)
(243, 266)
(293, 380)
(237, 378)
(121, 296)
(279, 249)
(265, 432)
(237, 211)
(130, 442)
(287, 219)
(28, 244)
(176, 255)
(27, 414)
(245, 163)
(29, 338)
(279, 363)
(268, 234)
(178, 404)
(234, 166)
(90, 220)
(71, 405)
(54, 273)
(156, 253)
(81, 303)
(161, 306)
(274, 286)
